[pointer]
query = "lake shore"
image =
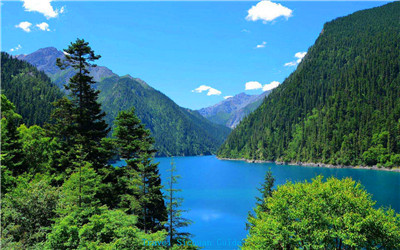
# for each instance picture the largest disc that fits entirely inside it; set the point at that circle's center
(312, 164)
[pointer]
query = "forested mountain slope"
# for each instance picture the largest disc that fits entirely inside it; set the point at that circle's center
(341, 105)
(29, 89)
(177, 131)
(231, 111)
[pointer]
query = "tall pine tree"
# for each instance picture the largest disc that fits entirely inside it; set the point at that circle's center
(79, 119)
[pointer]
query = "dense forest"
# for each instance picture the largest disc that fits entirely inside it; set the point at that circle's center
(58, 190)
(341, 105)
(177, 131)
(31, 90)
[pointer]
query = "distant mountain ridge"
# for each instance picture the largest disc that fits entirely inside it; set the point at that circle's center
(177, 131)
(231, 111)
(45, 59)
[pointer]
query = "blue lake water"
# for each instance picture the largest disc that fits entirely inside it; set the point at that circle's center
(220, 193)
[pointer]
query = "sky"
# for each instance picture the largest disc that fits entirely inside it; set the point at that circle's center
(197, 53)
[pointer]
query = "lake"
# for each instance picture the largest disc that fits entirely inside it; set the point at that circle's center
(220, 193)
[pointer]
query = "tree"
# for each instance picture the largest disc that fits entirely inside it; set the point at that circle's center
(144, 197)
(336, 214)
(266, 192)
(80, 119)
(175, 219)
(11, 146)
(27, 212)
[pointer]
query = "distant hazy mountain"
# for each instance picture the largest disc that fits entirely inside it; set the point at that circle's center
(45, 60)
(232, 110)
(177, 131)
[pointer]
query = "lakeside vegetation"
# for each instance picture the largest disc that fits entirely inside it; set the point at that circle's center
(58, 190)
(342, 104)
(331, 214)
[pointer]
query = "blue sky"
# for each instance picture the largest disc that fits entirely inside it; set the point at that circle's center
(178, 47)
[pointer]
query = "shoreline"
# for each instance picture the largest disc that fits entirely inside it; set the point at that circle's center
(312, 164)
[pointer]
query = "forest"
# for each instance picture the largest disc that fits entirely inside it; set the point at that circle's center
(342, 104)
(58, 189)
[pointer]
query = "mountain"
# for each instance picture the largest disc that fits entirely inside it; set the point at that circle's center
(45, 59)
(341, 105)
(231, 111)
(177, 131)
(29, 89)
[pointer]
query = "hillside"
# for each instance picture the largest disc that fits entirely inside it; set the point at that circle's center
(231, 111)
(29, 89)
(341, 105)
(177, 131)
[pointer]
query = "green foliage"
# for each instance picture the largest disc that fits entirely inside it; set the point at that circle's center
(29, 89)
(37, 147)
(334, 214)
(11, 146)
(175, 219)
(27, 212)
(108, 229)
(341, 105)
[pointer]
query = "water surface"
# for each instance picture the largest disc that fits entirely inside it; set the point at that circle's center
(220, 193)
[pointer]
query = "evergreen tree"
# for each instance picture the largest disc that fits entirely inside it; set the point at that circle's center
(175, 219)
(266, 191)
(80, 119)
(144, 198)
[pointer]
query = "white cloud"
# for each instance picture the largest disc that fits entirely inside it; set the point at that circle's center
(253, 85)
(42, 6)
(25, 26)
(245, 31)
(227, 97)
(262, 45)
(299, 56)
(290, 64)
(43, 26)
(267, 11)
(271, 85)
(211, 91)
(16, 48)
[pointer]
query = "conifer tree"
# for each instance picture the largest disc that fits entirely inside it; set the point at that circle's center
(266, 192)
(175, 219)
(144, 197)
(80, 119)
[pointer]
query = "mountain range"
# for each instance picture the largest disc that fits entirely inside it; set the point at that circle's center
(231, 111)
(177, 131)
(342, 103)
